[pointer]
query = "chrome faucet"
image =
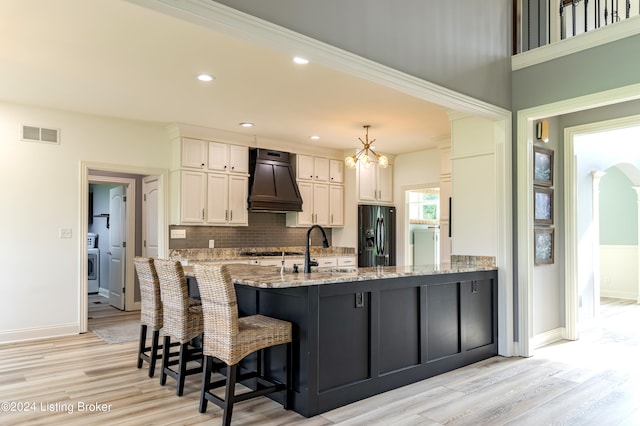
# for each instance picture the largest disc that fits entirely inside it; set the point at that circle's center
(307, 257)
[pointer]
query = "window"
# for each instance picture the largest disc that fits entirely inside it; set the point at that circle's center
(424, 206)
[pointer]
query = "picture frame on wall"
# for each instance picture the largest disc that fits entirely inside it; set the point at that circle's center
(543, 241)
(543, 206)
(542, 166)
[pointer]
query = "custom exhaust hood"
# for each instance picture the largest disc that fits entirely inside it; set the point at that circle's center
(272, 184)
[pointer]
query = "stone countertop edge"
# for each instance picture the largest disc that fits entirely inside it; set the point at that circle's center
(271, 277)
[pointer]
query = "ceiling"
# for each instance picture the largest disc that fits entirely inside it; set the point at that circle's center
(119, 59)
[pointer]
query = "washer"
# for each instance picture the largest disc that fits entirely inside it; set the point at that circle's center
(93, 266)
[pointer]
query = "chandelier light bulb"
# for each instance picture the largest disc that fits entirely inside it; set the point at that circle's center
(383, 161)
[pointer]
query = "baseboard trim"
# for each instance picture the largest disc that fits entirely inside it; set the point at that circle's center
(11, 336)
(548, 337)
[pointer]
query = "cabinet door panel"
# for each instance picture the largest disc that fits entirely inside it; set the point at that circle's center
(367, 188)
(385, 184)
(399, 329)
(343, 341)
(238, 189)
(218, 156)
(194, 153)
(217, 204)
(321, 204)
(336, 205)
(477, 311)
(193, 190)
(238, 159)
(336, 171)
(443, 321)
(304, 167)
(305, 217)
(321, 169)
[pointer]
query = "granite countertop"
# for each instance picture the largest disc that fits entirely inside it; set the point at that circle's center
(271, 277)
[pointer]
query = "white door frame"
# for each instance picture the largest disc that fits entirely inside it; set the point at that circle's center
(163, 214)
(524, 141)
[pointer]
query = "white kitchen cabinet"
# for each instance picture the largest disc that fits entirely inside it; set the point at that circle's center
(228, 158)
(215, 193)
(192, 196)
(336, 171)
(193, 153)
(226, 199)
(336, 205)
(214, 156)
(238, 195)
(315, 205)
(312, 168)
(375, 184)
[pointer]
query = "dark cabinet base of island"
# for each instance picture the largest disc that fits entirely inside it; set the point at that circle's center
(357, 339)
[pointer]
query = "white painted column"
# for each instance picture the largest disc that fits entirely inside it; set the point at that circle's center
(595, 227)
(637, 188)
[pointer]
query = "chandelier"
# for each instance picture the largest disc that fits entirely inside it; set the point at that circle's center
(365, 153)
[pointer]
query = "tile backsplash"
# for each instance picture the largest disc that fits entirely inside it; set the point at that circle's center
(264, 230)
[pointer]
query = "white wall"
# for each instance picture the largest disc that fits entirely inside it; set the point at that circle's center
(619, 272)
(413, 170)
(40, 193)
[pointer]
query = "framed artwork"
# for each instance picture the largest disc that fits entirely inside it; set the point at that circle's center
(542, 166)
(543, 241)
(543, 206)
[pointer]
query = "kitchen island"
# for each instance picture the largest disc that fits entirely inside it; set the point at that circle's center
(360, 332)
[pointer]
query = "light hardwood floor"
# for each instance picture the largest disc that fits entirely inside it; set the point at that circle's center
(592, 381)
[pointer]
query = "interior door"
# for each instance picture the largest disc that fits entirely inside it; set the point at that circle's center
(117, 245)
(150, 216)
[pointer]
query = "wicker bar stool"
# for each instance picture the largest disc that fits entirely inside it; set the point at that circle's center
(182, 319)
(150, 312)
(230, 339)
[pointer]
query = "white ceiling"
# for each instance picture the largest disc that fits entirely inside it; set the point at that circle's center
(119, 59)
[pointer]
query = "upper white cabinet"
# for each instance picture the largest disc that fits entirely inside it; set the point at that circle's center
(375, 184)
(214, 156)
(228, 158)
(336, 173)
(193, 153)
(312, 168)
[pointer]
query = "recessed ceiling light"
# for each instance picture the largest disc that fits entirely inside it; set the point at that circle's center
(314, 137)
(301, 61)
(205, 77)
(245, 124)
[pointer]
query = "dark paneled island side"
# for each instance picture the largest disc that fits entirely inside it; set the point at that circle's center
(357, 334)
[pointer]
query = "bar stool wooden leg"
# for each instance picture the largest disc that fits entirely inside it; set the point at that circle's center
(153, 356)
(165, 359)
(142, 343)
(229, 394)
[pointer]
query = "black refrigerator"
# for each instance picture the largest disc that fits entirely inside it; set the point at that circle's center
(376, 235)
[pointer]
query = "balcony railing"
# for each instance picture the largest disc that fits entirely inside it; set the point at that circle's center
(541, 22)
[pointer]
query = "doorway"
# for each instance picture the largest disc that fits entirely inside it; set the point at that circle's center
(113, 222)
(141, 223)
(423, 239)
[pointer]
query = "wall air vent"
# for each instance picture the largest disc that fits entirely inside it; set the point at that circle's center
(40, 134)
